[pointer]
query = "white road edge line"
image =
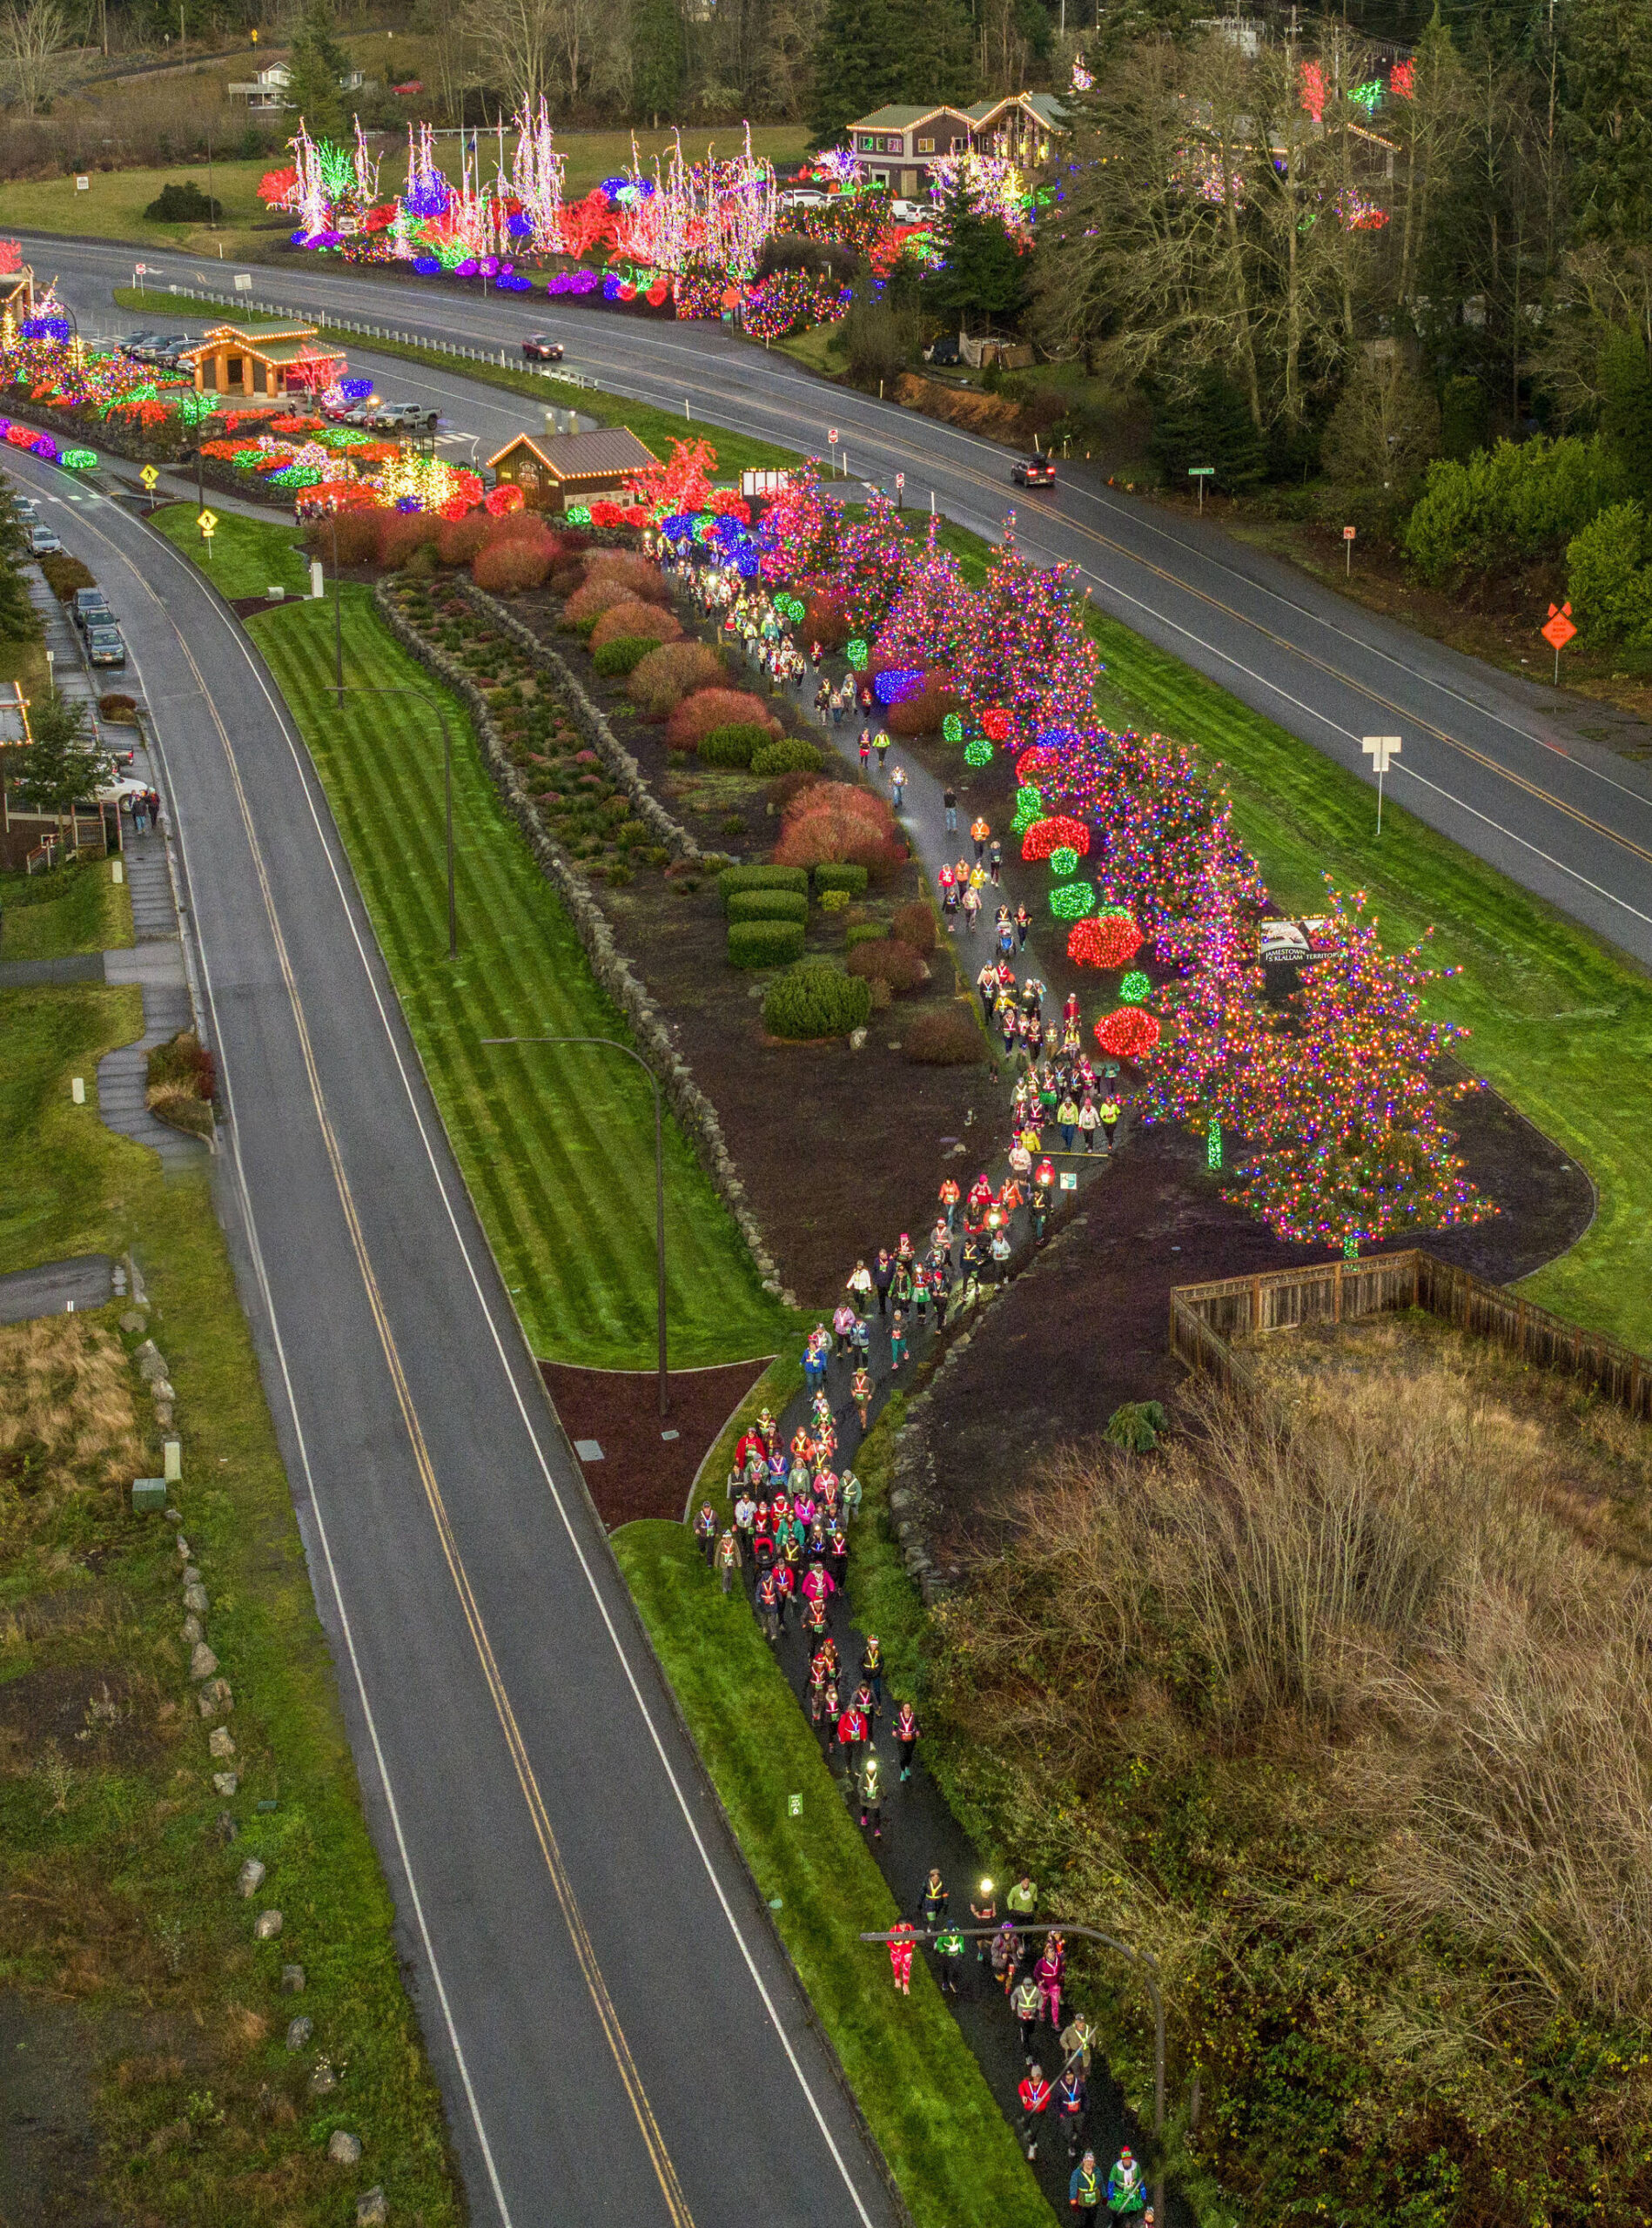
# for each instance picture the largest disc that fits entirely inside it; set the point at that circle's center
(301, 762)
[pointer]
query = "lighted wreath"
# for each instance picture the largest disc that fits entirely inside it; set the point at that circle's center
(1059, 832)
(1109, 940)
(1129, 1033)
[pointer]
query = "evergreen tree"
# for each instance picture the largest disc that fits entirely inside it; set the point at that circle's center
(656, 69)
(1609, 96)
(858, 65)
(939, 60)
(62, 766)
(1626, 404)
(1206, 423)
(317, 62)
(18, 620)
(983, 276)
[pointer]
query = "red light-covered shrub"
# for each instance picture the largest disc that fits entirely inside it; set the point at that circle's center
(502, 498)
(997, 724)
(672, 672)
(696, 716)
(1036, 760)
(1105, 940)
(640, 621)
(1130, 1034)
(1059, 833)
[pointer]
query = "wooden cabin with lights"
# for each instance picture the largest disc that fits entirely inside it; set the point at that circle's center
(16, 291)
(568, 468)
(268, 356)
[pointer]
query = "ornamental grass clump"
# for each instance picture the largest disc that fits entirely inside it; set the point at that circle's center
(836, 823)
(637, 621)
(700, 715)
(674, 670)
(947, 1037)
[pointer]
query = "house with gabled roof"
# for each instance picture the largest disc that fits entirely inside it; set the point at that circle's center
(898, 144)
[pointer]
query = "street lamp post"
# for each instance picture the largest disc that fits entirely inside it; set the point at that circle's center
(615, 1045)
(1145, 1963)
(338, 612)
(363, 688)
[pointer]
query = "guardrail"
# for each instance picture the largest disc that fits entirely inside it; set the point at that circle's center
(1204, 1317)
(504, 359)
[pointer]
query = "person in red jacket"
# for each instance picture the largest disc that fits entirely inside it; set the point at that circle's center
(852, 1731)
(900, 1954)
(1035, 2093)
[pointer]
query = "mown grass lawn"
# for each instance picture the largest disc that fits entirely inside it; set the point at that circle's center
(247, 556)
(927, 2101)
(1562, 1026)
(120, 1892)
(79, 907)
(557, 1145)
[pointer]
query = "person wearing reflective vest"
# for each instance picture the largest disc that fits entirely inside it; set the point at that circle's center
(705, 1530)
(1025, 2001)
(1083, 2191)
(1035, 2093)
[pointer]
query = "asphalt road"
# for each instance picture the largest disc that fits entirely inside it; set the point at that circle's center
(614, 2028)
(1506, 768)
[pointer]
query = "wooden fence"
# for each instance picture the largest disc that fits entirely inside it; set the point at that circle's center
(1204, 1318)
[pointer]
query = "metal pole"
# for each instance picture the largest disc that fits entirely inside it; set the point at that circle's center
(1378, 796)
(615, 1045)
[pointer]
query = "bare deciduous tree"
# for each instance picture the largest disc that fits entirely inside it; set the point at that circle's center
(32, 39)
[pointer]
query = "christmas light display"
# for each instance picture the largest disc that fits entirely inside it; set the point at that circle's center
(952, 728)
(1023, 651)
(1056, 832)
(1029, 807)
(1071, 900)
(1135, 987)
(978, 753)
(1402, 80)
(1111, 940)
(991, 185)
(1130, 1034)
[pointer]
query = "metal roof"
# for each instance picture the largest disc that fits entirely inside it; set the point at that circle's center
(580, 456)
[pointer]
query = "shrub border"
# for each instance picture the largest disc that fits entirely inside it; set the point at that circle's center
(608, 964)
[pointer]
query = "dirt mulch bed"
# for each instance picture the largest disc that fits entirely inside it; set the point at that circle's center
(1087, 1328)
(641, 1471)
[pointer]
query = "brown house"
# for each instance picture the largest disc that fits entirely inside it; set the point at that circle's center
(17, 292)
(566, 468)
(262, 356)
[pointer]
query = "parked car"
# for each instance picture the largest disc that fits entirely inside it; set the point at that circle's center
(135, 343)
(911, 212)
(539, 348)
(25, 509)
(89, 607)
(1033, 472)
(402, 418)
(43, 542)
(104, 646)
(803, 197)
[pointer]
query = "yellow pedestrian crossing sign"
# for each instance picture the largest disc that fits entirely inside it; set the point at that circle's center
(208, 523)
(149, 476)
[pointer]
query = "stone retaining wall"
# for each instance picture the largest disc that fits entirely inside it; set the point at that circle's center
(694, 1110)
(593, 720)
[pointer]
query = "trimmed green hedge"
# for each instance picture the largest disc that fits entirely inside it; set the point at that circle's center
(733, 745)
(815, 1001)
(623, 655)
(865, 932)
(790, 754)
(768, 905)
(830, 876)
(764, 943)
(761, 877)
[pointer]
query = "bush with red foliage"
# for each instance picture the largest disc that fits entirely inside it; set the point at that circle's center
(887, 959)
(509, 565)
(640, 621)
(588, 604)
(1130, 1034)
(672, 672)
(922, 712)
(642, 580)
(826, 622)
(459, 540)
(785, 787)
(1059, 832)
(402, 532)
(707, 708)
(834, 823)
(1105, 940)
(915, 924)
(946, 1037)
(358, 533)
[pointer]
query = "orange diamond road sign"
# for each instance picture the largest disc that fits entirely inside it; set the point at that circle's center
(1558, 630)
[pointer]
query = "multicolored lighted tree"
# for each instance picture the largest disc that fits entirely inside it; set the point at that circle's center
(1025, 648)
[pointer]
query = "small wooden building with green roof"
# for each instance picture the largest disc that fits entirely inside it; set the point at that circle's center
(261, 356)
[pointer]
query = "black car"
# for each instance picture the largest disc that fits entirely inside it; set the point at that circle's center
(104, 646)
(1033, 472)
(539, 348)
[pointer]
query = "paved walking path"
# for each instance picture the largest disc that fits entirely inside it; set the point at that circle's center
(87, 1280)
